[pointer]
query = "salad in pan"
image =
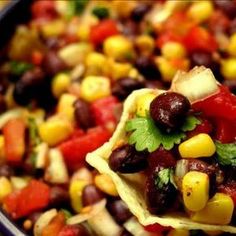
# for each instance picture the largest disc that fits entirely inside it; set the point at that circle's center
(180, 145)
(64, 77)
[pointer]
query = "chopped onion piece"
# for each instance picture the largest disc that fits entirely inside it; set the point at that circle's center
(93, 210)
(43, 221)
(104, 224)
(56, 172)
(134, 227)
(198, 84)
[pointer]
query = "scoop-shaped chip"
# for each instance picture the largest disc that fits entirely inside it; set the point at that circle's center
(131, 186)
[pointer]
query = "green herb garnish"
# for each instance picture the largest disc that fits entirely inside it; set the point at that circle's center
(18, 68)
(33, 132)
(147, 135)
(76, 7)
(66, 213)
(101, 12)
(165, 177)
(226, 153)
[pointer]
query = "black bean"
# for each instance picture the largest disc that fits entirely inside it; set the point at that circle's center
(201, 59)
(91, 195)
(147, 68)
(53, 64)
(130, 28)
(126, 159)
(58, 196)
(227, 6)
(124, 86)
(160, 159)
(232, 28)
(6, 170)
(3, 105)
(158, 200)
(125, 233)
(83, 114)
(139, 12)
(169, 109)
(119, 211)
(28, 86)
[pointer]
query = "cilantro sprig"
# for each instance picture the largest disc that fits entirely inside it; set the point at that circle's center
(165, 177)
(226, 153)
(145, 134)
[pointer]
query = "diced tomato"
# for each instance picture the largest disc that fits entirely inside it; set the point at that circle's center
(104, 111)
(44, 9)
(204, 127)
(199, 38)
(221, 104)
(14, 139)
(178, 23)
(77, 133)
(35, 196)
(229, 189)
(167, 37)
(103, 30)
(37, 58)
(155, 228)
(225, 130)
(55, 225)
(75, 150)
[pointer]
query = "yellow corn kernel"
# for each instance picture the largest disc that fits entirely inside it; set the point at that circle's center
(60, 84)
(232, 45)
(200, 145)
(75, 192)
(145, 44)
(195, 187)
(2, 153)
(143, 104)
(83, 32)
(173, 50)
(95, 87)
(6, 187)
(118, 47)
(95, 59)
(166, 69)
(119, 70)
(53, 28)
(55, 130)
(75, 53)
(133, 73)
(178, 232)
(105, 184)
(200, 11)
(65, 106)
(228, 68)
(218, 210)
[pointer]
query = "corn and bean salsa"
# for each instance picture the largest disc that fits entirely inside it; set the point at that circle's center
(64, 77)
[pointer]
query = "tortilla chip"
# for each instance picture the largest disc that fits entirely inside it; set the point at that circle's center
(129, 186)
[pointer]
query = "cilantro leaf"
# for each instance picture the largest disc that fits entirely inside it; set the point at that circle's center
(190, 123)
(165, 177)
(76, 7)
(146, 135)
(101, 12)
(33, 132)
(226, 153)
(18, 68)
